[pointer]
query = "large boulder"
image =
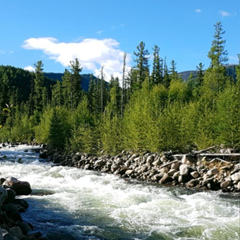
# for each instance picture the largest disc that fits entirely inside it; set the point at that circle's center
(236, 176)
(3, 195)
(184, 169)
(20, 187)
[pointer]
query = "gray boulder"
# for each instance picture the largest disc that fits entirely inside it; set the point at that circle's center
(3, 196)
(184, 169)
(20, 187)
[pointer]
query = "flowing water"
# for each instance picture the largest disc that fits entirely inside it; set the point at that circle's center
(69, 203)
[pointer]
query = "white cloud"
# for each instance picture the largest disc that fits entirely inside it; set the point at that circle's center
(198, 10)
(29, 68)
(225, 14)
(2, 52)
(92, 53)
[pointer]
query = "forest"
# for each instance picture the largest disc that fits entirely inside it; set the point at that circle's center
(147, 110)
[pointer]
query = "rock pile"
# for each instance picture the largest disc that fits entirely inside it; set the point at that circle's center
(12, 226)
(189, 171)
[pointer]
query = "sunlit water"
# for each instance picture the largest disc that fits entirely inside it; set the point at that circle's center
(76, 204)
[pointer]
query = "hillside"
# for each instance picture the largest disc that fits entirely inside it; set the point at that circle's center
(20, 82)
(58, 76)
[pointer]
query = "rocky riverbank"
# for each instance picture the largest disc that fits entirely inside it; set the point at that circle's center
(12, 226)
(191, 170)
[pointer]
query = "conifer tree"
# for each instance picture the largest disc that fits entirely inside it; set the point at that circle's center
(67, 88)
(38, 86)
(217, 53)
(166, 76)
(157, 72)
(75, 88)
(57, 94)
(142, 66)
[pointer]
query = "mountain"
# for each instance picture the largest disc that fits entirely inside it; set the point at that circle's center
(58, 76)
(20, 81)
(230, 70)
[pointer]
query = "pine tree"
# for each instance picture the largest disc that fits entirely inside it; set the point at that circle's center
(157, 72)
(166, 76)
(67, 89)
(217, 53)
(76, 91)
(38, 86)
(215, 77)
(57, 94)
(142, 66)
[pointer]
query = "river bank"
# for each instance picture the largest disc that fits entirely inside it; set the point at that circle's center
(190, 170)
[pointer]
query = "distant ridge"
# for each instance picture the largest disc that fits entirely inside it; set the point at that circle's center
(58, 77)
(230, 70)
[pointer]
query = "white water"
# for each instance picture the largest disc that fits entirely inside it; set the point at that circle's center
(79, 204)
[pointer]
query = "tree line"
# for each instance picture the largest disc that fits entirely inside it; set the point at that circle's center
(151, 110)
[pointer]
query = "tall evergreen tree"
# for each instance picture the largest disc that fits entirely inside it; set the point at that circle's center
(57, 94)
(76, 91)
(217, 53)
(142, 66)
(166, 76)
(67, 89)
(157, 72)
(38, 86)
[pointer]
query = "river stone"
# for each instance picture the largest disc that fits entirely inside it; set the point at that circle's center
(176, 175)
(236, 176)
(12, 212)
(195, 174)
(236, 168)
(129, 172)
(184, 159)
(184, 169)
(157, 177)
(212, 172)
(172, 171)
(183, 178)
(163, 158)
(3, 196)
(225, 184)
(157, 162)
(20, 187)
(16, 232)
(25, 227)
(144, 168)
(114, 167)
(192, 183)
(238, 186)
(164, 170)
(165, 179)
(150, 159)
(175, 165)
(11, 195)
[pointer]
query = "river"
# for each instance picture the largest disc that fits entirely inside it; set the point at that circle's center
(70, 203)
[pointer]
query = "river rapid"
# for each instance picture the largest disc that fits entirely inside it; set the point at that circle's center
(70, 203)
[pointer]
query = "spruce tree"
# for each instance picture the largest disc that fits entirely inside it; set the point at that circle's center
(38, 86)
(157, 72)
(217, 53)
(76, 90)
(142, 66)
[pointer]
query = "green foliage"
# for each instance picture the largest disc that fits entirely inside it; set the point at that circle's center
(228, 116)
(217, 53)
(84, 136)
(59, 129)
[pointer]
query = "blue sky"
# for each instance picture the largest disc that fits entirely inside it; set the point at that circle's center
(99, 32)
